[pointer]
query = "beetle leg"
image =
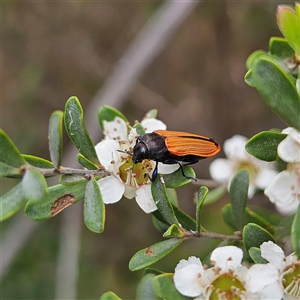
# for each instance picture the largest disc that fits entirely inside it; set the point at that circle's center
(154, 174)
(182, 171)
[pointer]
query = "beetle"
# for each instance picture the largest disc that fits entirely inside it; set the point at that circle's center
(173, 147)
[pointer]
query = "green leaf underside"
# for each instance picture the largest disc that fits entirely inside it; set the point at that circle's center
(58, 198)
(277, 90)
(34, 185)
(162, 201)
(9, 171)
(75, 127)
(93, 208)
(202, 193)
(139, 129)
(9, 153)
(280, 48)
(55, 137)
(108, 113)
(254, 236)
(238, 197)
(264, 145)
(295, 233)
(152, 254)
(12, 201)
(68, 179)
(165, 289)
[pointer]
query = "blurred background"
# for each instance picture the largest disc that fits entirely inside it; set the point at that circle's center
(107, 53)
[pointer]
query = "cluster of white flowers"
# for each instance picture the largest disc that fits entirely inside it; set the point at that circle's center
(127, 179)
(284, 190)
(229, 279)
(223, 169)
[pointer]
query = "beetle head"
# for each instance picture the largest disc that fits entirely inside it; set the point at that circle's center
(140, 152)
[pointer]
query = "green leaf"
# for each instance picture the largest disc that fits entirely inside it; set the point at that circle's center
(144, 289)
(152, 254)
(58, 198)
(280, 48)
(93, 209)
(277, 89)
(151, 114)
(252, 57)
(255, 255)
(11, 202)
(165, 289)
(289, 24)
(295, 233)
(227, 216)
(249, 79)
(38, 162)
(160, 196)
(108, 113)
(174, 231)
(34, 185)
(238, 197)
(70, 179)
(264, 145)
(176, 179)
(202, 193)
(184, 219)
(109, 296)
(9, 171)
(9, 153)
(139, 129)
(86, 163)
(55, 137)
(153, 271)
(254, 236)
(74, 123)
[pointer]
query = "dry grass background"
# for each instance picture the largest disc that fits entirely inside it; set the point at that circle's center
(52, 50)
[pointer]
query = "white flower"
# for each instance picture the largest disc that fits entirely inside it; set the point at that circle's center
(222, 170)
(190, 277)
(278, 278)
(226, 280)
(127, 179)
(284, 190)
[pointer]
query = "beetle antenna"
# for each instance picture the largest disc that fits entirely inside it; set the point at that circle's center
(127, 152)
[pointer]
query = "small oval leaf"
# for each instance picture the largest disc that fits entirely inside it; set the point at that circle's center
(109, 296)
(176, 179)
(11, 202)
(152, 254)
(202, 193)
(255, 254)
(93, 208)
(55, 137)
(108, 113)
(239, 197)
(77, 132)
(254, 236)
(295, 233)
(264, 145)
(161, 199)
(9, 153)
(34, 185)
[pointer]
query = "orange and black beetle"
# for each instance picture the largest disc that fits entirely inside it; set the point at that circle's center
(173, 147)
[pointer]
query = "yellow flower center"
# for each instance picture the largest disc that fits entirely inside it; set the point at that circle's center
(227, 286)
(291, 280)
(138, 171)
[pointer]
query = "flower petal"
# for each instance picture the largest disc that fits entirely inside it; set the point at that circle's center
(107, 152)
(234, 148)
(152, 124)
(190, 280)
(260, 276)
(273, 254)
(289, 148)
(192, 260)
(167, 169)
(284, 189)
(144, 199)
(228, 257)
(221, 170)
(115, 130)
(112, 189)
(265, 175)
